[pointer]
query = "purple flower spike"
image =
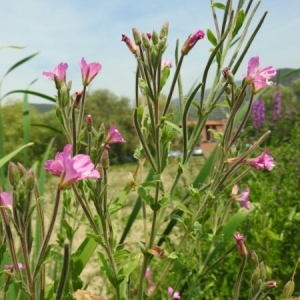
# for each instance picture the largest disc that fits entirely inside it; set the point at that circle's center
(258, 113)
(277, 105)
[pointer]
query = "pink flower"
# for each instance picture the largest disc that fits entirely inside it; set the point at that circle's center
(6, 199)
(114, 136)
(191, 41)
(176, 295)
(70, 169)
(259, 78)
(148, 274)
(59, 71)
(10, 267)
(150, 288)
(89, 71)
(242, 198)
(166, 63)
(264, 161)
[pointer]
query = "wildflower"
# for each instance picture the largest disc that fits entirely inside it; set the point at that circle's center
(258, 78)
(114, 136)
(176, 294)
(71, 170)
(191, 41)
(78, 96)
(148, 274)
(150, 288)
(6, 199)
(277, 105)
(59, 72)
(258, 113)
(242, 198)
(264, 161)
(267, 286)
(166, 63)
(149, 35)
(89, 71)
(10, 267)
(240, 244)
(129, 44)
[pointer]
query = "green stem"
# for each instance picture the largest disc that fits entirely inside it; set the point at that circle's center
(48, 235)
(239, 279)
(81, 113)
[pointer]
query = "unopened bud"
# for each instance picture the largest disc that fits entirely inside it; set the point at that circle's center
(13, 174)
(191, 41)
(129, 44)
(99, 168)
(105, 160)
(154, 37)
(89, 123)
(254, 259)
(256, 274)
(288, 289)
(21, 169)
(149, 35)
(69, 85)
(164, 31)
(240, 244)
(262, 270)
(146, 41)
(162, 43)
(267, 286)
(64, 95)
(136, 36)
(78, 96)
(228, 75)
(29, 180)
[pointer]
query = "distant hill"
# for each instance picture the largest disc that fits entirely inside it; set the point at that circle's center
(42, 108)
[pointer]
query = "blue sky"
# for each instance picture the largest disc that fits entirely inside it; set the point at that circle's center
(66, 31)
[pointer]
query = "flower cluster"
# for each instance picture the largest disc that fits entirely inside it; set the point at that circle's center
(277, 105)
(258, 113)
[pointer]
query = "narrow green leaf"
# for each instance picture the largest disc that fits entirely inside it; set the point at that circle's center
(219, 5)
(164, 77)
(239, 23)
(128, 268)
(30, 93)
(20, 62)
(211, 37)
(80, 258)
(106, 268)
(217, 135)
(48, 127)
(12, 47)
(9, 156)
(145, 195)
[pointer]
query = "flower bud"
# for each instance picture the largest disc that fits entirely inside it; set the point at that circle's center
(154, 37)
(21, 169)
(136, 36)
(240, 244)
(105, 160)
(13, 174)
(164, 31)
(254, 259)
(288, 289)
(129, 44)
(69, 85)
(89, 123)
(146, 41)
(78, 96)
(149, 35)
(64, 95)
(256, 274)
(162, 43)
(99, 168)
(262, 270)
(191, 41)
(267, 286)
(228, 75)
(29, 180)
